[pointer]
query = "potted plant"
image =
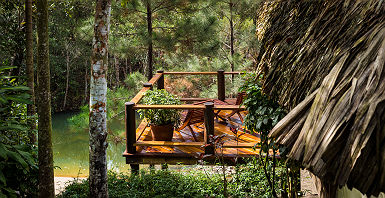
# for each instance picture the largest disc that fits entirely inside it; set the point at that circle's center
(161, 121)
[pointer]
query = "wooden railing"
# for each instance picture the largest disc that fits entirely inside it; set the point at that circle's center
(209, 107)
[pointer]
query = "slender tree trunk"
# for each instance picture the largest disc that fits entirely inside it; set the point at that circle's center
(67, 76)
(130, 67)
(125, 69)
(117, 69)
(149, 31)
(29, 63)
(86, 83)
(46, 177)
(231, 38)
(98, 101)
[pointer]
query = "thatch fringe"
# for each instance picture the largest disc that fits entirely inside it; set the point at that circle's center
(336, 67)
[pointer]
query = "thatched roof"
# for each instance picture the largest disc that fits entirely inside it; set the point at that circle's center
(325, 61)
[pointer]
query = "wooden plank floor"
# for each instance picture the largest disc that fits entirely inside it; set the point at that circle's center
(191, 154)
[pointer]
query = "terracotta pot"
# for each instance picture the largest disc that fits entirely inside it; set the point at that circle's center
(162, 132)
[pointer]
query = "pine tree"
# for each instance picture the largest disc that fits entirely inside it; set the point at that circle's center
(172, 26)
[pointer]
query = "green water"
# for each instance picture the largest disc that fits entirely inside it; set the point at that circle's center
(70, 147)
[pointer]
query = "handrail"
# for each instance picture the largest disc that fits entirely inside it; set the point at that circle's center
(158, 79)
(195, 144)
(201, 73)
(191, 73)
(140, 95)
(147, 86)
(189, 106)
(140, 106)
(155, 78)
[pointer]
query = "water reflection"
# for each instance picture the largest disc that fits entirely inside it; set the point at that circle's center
(70, 147)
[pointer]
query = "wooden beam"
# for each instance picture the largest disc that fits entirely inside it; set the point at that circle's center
(235, 72)
(201, 73)
(193, 144)
(194, 99)
(209, 127)
(221, 85)
(155, 79)
(168, 143)
(191, 73)
(160, 84)
(139, 106)
(240, 145)
(140, 95)
(130, 127)
(189, 106)
(229, 107)
(141, 128)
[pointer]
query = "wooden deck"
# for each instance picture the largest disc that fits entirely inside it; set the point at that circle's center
(184, 150)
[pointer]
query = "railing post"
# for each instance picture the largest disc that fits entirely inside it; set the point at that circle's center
(130, 127)
(221, 84)
(147, 85)
(160, 84)
(209, 126)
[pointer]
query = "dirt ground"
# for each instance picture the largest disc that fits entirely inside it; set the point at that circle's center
(62, 182)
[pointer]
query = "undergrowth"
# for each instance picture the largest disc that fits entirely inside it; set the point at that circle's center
(248, 181)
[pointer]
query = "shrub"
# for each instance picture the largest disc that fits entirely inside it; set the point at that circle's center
(160, 116)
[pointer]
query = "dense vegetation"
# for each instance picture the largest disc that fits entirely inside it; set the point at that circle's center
(18, 154)
(248, 181)
(186, 36)
(176, 35)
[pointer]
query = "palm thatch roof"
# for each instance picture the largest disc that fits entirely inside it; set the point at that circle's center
(325, 62)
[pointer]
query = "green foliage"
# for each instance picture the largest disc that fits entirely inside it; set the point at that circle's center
(160, 116)
(18, 170)
(115, 101)
(153, 184)
(263, 113)
(248, 181)
(14, 128)
(18, 155)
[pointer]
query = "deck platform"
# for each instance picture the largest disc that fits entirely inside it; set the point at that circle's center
(184, 150)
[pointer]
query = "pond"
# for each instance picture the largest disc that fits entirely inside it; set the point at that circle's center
(70, 147)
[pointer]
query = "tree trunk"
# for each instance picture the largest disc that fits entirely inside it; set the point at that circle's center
(86, 84)
(231, 38)
(117, 69)
(129, 67)
(29, 63)
(67, 76)
(46, 177)
(149, 31)
(98, 101)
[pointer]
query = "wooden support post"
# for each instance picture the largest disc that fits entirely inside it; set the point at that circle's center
(221, 85)
(130, 128)
(147, 85)
(209, 126)
(134, 169)
(160, 84)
